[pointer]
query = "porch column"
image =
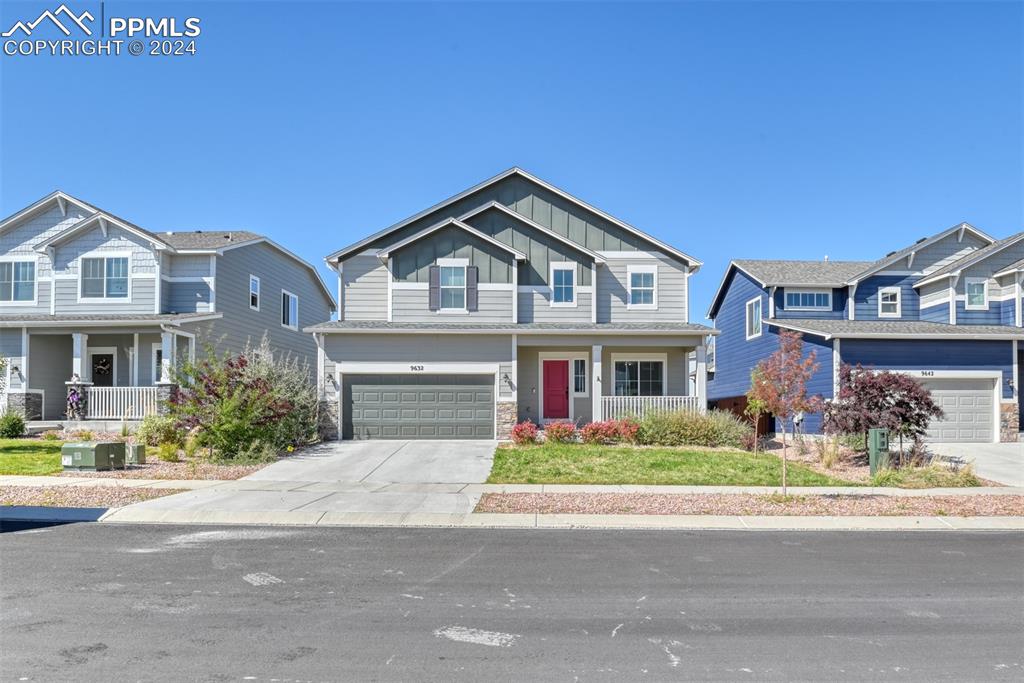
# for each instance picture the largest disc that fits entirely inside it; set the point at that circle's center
(595, 383)
(166, 356)
(702, 378)
(79, 355)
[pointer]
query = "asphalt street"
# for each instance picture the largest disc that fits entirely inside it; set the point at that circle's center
(89, 602)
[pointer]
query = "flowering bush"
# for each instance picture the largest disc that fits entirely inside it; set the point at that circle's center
(560, 432)
(524, 432)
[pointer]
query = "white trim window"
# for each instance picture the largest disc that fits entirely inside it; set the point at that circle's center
(640, 377)
(157, 358)
(580, 383)
(453, 284)
(808, 299)
(753, 318)
(563, 284)
(18, 282)
(642, 281)
(890, 302)
(103, 277)
(976, 289)
(289, 310)
(254, 293)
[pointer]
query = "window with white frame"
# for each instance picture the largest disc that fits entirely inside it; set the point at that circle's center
(254, 293)
(17, 281)
(104, 277)
(977, 293)
(643, 286)
(753, 326)
(158, 361)
(809, 300)
(889, 302)
(289, 310)
(563, 284)
(639, 377)
(579, 377)
(453, 287)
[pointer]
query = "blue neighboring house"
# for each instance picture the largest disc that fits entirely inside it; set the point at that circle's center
(946, 309)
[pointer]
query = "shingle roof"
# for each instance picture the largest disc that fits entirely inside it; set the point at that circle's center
(510, 328)
(811, 273)
(1016, 265)
(102, 318)
(896, 328)
(207, 239)
(973, 257)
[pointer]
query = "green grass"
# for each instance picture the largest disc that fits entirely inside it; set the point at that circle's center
(932, 476)
(587, 464)
(29, 456)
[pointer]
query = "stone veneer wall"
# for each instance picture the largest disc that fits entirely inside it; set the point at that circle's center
(328, 427)
(507, 416)
(1009, 422)
(28, 405)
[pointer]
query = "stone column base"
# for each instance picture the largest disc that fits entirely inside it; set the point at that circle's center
(165, 391)
(328, 425)
(1009, 422)
(29, 406)
(508, 413)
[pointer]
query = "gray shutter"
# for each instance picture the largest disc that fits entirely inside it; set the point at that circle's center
(435, 288)
(472, 291)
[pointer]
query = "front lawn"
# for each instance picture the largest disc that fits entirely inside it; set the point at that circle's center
(588, 464)
(29, 456)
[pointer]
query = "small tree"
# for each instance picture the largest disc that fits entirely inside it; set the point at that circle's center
(780, 385)
(755, 407)
(890, 400)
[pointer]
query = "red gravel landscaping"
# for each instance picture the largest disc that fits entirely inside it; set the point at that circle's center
(78, 496)
(749, 504)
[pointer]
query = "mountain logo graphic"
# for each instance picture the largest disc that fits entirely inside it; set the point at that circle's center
(77, 20)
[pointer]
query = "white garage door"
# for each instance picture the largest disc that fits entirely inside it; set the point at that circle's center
(968, 407)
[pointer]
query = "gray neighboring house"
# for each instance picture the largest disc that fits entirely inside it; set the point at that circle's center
(509, 301)
(91, 301)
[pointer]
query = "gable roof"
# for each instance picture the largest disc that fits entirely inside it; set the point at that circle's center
(975, 256)
(498, 206)
(895, 256)
(454, 222)
(1014, 267)
(100, 218)
(55, 197)
(207, 239)
(357, 246)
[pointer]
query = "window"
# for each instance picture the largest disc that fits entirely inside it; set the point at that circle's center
(808, 300)
(754, 318)
(289, 310)
(642, 286)
(579, 377)
(254, 293)
(639, 378)
(889, 302)
(18, 281)
(563, 284)
(453, 288)
(977, 293)
(105, 277)
(158, 361)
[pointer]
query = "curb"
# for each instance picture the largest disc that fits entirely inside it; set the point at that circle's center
(35, 513)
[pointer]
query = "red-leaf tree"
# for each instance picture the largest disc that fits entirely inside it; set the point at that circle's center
(870, 399)
(779, 384)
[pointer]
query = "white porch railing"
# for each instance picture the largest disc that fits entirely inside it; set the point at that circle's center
(618, 407)
(117, 403)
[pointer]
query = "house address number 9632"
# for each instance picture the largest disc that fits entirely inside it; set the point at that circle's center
(416, 368)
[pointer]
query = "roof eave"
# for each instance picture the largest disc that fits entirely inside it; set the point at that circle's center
(903, 253)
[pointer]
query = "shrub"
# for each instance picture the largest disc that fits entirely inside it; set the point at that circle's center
(715, 428)
(12, 425)
(930, 476)
(560, 432)
(51, 435)
(600, 432)
(524, 433)
(628, 430)
(257, 452)
(168, 452)
(158, 429)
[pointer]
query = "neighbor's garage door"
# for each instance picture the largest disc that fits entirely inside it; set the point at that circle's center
(418, 406)
(968, 407)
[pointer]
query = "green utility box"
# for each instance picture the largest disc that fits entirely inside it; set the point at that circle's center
(137, 454)
(117, 458)
(878, 449)
(88, 456)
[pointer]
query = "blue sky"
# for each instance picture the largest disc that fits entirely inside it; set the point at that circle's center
(731, 130)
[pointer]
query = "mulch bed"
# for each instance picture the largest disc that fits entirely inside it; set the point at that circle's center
(78, 496)
(749, 504)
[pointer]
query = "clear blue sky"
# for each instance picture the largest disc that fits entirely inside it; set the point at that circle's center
(770, 129)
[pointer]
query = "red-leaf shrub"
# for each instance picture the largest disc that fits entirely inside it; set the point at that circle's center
(560, 432)
(628, 430)
(524, 433)
(600, 432)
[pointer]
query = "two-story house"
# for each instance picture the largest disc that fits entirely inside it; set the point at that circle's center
(92, 302)
(512, 300)
(946, 309)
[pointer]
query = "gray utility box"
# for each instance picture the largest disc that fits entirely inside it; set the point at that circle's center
(136, 454)
(92, 456)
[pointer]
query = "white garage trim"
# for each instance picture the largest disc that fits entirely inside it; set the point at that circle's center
(995, 375)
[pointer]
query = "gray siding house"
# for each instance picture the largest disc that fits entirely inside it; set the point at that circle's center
(509, 301)
(91, 301)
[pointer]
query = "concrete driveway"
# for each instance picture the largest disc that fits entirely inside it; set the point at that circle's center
(1000, 462)
(339, 479)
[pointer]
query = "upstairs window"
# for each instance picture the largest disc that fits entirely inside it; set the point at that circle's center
(753, 325)
(104, 277)
(808, 300)
(289, 310)
(977, 293)
(254, 293)
(453, 288)
(889, 302)
(17, 281)
(643, 283)
(563, 284)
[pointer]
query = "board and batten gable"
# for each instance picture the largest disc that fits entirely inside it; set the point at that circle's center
(412, 262)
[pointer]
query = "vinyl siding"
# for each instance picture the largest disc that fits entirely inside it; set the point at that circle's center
(866, 297)
(613, 292)
(143, 258)
(412, 262)
(838, 310)
(418, 348)
(146, 342)
(412, 305)
(936, 314)
(365, 289)
(121, 343)
(11, 349)
(942, 253)
(21, 239)
(186, 265)
(1008, 312)
(141, 294)
(535, 307)
(42, 304)
(49, 368)
(187, 297)
(529, 383)
(989, 316)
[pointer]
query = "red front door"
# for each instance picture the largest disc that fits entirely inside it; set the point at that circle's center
(556, 389)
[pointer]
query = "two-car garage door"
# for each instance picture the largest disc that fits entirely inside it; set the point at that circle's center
(969, 407)
(418, 406)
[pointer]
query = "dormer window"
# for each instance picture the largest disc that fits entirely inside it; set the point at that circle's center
(889, 304)
(977, 294)
(563, 284)
(643, 287)
(808, 299)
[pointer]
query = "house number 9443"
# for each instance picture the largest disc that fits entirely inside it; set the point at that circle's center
(416, 368)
